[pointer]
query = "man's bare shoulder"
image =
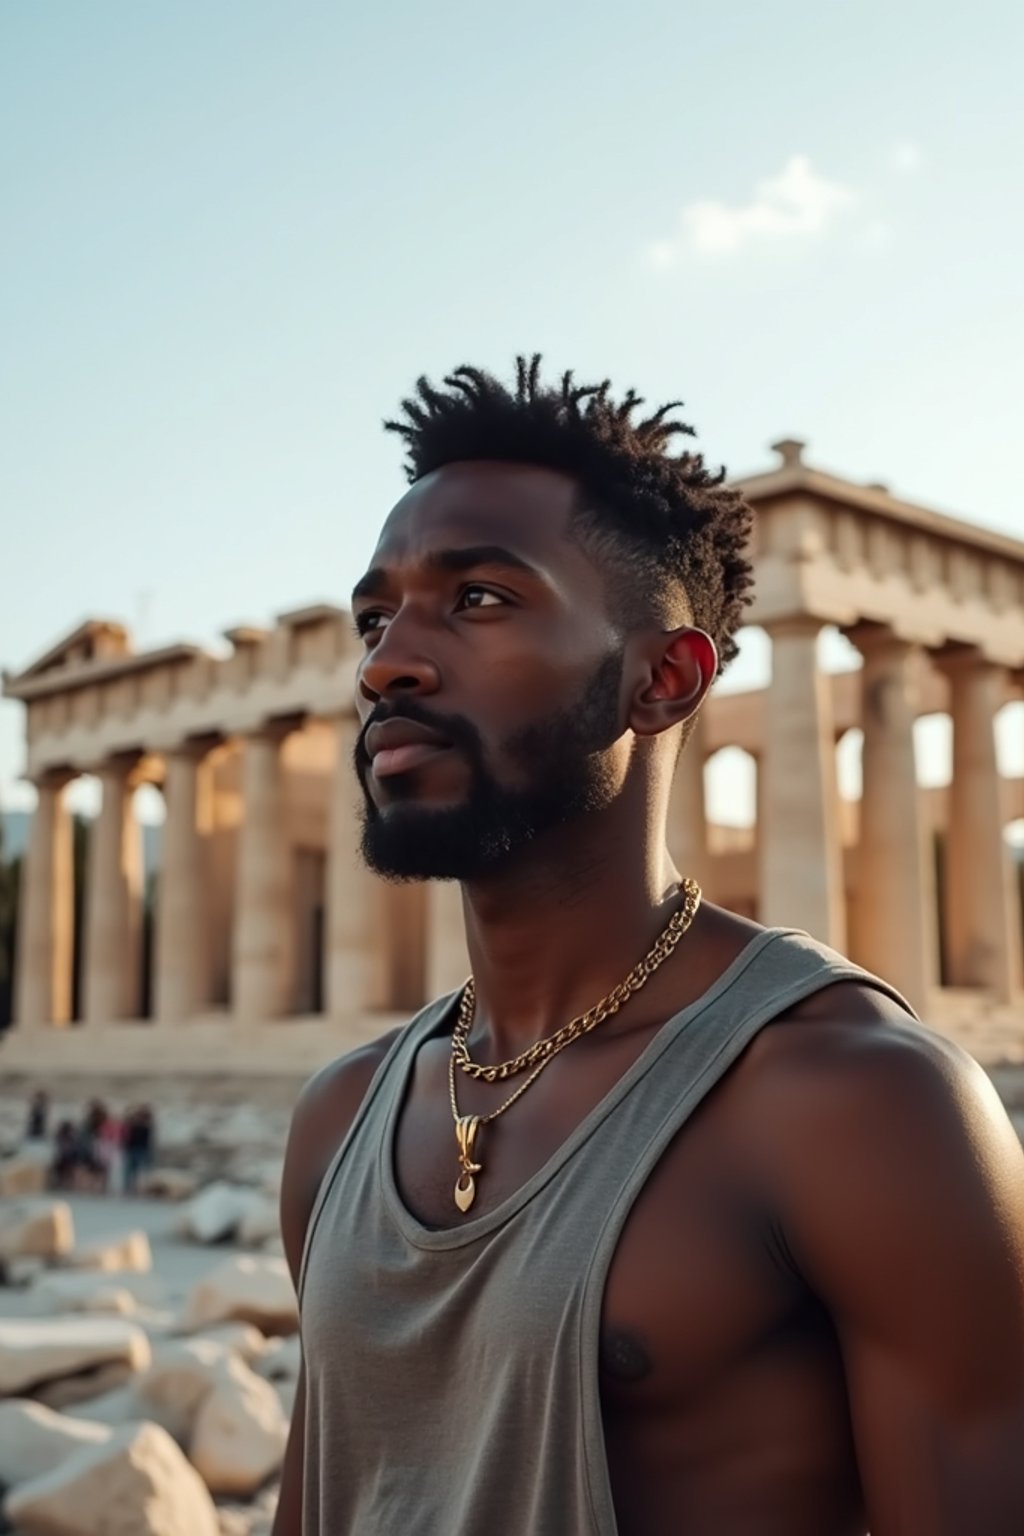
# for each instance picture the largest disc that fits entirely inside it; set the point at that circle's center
(322, 1117)
(896, 1183)
(849, 1056)
(334, 1093)
(878, 1133)
(849, 1038)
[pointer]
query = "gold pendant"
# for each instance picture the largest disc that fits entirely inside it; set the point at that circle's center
(466, 1130)
(465, 1191)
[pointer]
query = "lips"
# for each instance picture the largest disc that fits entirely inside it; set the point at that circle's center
(398, 746)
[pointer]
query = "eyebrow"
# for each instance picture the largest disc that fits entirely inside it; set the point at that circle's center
(468, 558)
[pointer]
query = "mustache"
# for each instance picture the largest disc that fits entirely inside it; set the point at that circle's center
(460, 732)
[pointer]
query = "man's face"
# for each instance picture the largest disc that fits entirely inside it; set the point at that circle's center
(490, 689)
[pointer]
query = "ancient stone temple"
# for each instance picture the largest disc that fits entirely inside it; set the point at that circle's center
(271, 948)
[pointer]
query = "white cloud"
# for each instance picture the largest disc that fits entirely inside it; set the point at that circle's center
(797, 204)
(905, 158)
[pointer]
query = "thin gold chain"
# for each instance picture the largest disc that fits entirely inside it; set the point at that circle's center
(543, 1050)
(539, 1055)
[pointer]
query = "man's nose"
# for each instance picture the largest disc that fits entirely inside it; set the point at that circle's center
(398, 664)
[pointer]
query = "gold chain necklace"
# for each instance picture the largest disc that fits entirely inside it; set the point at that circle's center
(536, 1058)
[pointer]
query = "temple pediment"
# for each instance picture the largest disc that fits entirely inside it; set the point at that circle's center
(92, 641)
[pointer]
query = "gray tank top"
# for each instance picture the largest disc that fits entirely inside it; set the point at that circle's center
(452, 1375)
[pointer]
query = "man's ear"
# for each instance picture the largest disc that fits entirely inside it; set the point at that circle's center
(680, 668)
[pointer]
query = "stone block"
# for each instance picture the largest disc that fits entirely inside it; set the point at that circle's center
(34, 1440)
(136, 1483)
(62, 1291)
(26, 1173)
(240, 1433)
(260, 1223)
(110, 1301)
(41, 1229)
(183, 1374)
(246, 1288)
(237, 1338)
(34, 1351)
(124, 1251)
(115, 1407)
(85, 1387)
(217, 1212)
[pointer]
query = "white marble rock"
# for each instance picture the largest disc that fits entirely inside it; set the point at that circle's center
(260, 1223)
(68, 1391)
(26, 1172)
(63, 1291)
(33, 1351)
(35, 1439)
(122, 1251)
(217, 1211)
(240, 1338)
(240, 1433)
(136, 1483)
(249, 1288)
(41, 1229)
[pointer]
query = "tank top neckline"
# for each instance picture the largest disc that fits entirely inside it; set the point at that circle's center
(439, 1021)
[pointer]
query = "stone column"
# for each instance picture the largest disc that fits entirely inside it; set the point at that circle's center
(181, 960)
(46, 936)
(355, 946)
(983, 935)
(896, 929)
(264, 932)
(687, 810)
(113, 905)
(799, 852)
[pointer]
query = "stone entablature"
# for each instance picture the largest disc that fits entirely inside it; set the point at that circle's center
(848, 554)
(264, 909)
(82, 712)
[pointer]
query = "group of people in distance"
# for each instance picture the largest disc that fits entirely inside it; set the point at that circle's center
(103, 1153)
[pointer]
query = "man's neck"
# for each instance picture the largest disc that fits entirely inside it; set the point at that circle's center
(560, 927)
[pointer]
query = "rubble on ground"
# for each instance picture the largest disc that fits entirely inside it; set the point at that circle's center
(24, 1172)
(136, 1481)
(120, 1251)
(246, 1288)
(151, 1433)
(137, 1400)
(34, 1352)
(218, 1212)
(36, 1228)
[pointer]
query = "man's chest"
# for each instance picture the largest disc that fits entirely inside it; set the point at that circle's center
(694, 1280)
(697, 1282)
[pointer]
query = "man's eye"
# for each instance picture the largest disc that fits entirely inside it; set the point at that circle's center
(479, 597)
(368, 622)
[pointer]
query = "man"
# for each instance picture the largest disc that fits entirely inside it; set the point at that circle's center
(741, 1249)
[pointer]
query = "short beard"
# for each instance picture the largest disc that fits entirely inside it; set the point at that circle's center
(565, 775)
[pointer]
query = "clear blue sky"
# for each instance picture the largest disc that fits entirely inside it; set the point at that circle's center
(236, 231)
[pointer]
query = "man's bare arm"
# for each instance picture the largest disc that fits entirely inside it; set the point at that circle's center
(321, 1120)
(905, 1213)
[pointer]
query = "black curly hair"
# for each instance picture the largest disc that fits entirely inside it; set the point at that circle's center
(661, 524)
